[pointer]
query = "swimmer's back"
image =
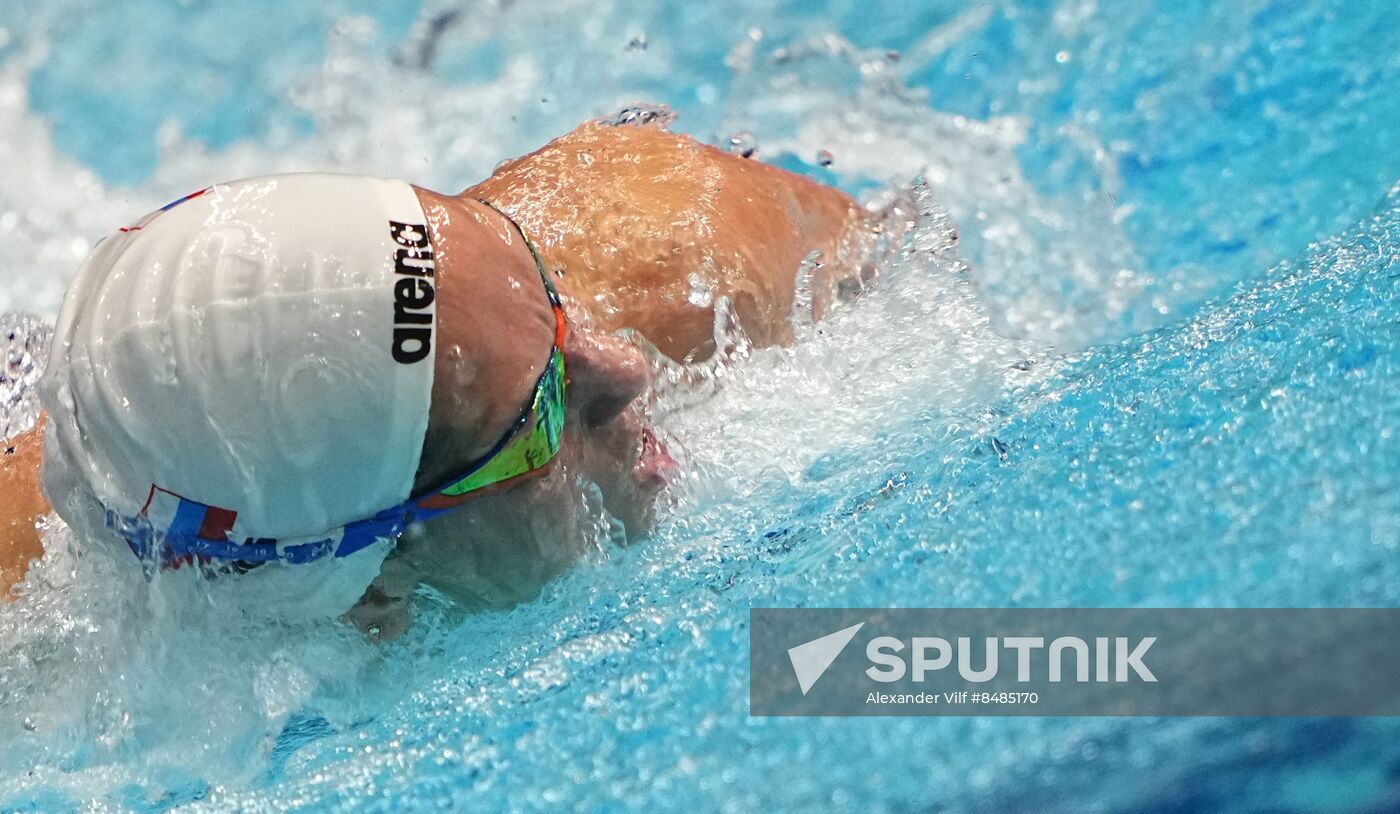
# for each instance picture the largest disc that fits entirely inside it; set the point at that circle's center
(632, 214)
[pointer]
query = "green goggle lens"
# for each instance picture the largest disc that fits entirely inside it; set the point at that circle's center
(523, 452)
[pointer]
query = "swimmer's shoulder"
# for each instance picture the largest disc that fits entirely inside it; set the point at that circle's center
(609, 197)
(631, 216)
(595, 134)
(595, 151)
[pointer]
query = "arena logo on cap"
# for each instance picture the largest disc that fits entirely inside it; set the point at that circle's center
(413, 292)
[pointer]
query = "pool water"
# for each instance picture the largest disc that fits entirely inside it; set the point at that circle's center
(1143, 348)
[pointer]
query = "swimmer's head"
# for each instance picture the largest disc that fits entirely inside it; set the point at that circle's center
(272, 358)
(252, 361)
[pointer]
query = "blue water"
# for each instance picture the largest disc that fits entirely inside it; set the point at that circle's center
(1159, 366)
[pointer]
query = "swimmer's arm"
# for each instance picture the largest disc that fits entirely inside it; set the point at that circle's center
(633, 213)
(22, 504)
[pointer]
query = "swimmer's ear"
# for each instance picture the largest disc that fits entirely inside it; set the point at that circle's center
(386, 611)
(380, 616)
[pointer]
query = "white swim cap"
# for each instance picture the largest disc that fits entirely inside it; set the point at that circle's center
(260, 351)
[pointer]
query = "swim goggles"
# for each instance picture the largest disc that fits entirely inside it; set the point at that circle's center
(199, 532)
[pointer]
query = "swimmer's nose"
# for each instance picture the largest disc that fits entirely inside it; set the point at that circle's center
(605, 375)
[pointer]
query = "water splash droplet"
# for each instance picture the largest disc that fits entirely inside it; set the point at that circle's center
(701, 294)
(732, 342)
(639, 115)
(937, 233)
(742, 143)
(27, 342)
(803, 314)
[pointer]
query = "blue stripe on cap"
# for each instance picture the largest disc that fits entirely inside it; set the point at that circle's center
(306, 552)
(364, 533)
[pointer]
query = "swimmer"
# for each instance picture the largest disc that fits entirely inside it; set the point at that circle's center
(341, 386)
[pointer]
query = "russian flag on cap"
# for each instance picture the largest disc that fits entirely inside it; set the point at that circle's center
(179, 516)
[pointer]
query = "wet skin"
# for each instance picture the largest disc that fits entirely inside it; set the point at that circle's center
(24, 505)
(627, 220)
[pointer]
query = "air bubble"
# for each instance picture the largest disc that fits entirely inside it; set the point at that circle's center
(742, 143)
